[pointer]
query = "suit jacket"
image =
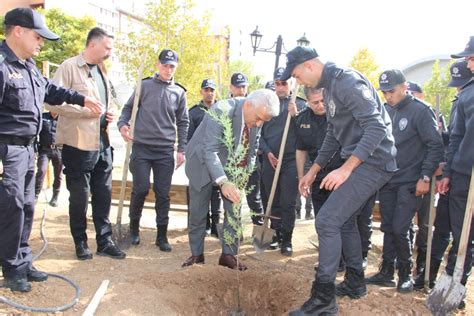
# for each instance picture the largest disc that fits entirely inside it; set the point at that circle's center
(206, 156)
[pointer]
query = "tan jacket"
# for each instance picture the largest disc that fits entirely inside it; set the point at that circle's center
(77, 126)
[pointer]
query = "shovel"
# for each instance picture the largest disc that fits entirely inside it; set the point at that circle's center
(448, 291)
(262, 235)
(120, 234)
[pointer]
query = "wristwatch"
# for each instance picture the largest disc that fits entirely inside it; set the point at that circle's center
(426, 179)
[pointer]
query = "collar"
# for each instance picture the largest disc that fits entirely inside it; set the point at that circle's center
(330, 70)
(157, 78)
(407, 100)
(11, 57)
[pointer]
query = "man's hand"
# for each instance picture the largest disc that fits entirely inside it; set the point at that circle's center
(230, 192)
(125, 132)
(304, 186)
(273, 160)
(95, 106)
(180, 159)
(335, 179)
(442, 186)
(292, 109)
(422, 188)
(440, 169)
(111, 116)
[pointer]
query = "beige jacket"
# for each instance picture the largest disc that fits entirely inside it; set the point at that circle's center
(77, 127)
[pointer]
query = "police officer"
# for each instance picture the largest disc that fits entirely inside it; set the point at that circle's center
(196, 114)
(48, 150)
(239, 88)
(284, 201)
(22, 93)
(359, 126)
(162, 114)
(460, 76)
(419, 151)
(460, 159)
(415, 90)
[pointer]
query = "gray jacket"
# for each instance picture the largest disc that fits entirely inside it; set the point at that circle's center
(419, 145)
(161, 110)
(206, 156)
(357, 120)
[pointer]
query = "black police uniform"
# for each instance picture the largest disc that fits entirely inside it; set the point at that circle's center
(310, 133)
(48, 150)
(22, 93)
(196, 114)
(283, 205)
(460, 159)
(419, 151)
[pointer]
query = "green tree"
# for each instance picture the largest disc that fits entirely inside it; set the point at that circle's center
(73, 32)
(364, 62)
(172, 24)
(438, 85)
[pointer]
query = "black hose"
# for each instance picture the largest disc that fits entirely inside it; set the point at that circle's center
(5, 300)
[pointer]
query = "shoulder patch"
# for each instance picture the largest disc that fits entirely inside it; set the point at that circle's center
(2, 57)
(181, 86)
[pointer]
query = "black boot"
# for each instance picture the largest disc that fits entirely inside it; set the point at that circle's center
(54, 199)
(353, 284)
(405, 281)
(286, 247)
(321, 302)
(420, 278)
(135, 231)
(161, 239)
(385, 276)
(420, 261)
(214, 222)
(276, 240)
(17, 283)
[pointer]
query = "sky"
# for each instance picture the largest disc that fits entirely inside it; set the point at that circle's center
(397, 32)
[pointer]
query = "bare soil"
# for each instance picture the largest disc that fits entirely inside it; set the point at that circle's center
(151, 282)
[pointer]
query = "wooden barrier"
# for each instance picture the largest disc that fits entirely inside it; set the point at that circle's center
(178, 196)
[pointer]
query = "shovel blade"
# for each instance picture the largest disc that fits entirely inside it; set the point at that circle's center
(445, 296)
(262, 237)
(121, 236)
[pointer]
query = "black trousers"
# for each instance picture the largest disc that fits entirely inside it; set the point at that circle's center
(143, 159)
(398, 204)
(284, 201)
(17, 201)
(254, 199)
(459, 186)
(442, 231)
(44, 156)
(89, 172)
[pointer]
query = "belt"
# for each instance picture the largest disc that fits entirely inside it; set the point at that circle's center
(52, 146)
(17, 140)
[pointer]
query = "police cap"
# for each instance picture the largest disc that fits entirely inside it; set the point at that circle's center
(414, 87)
(296, 56)
(208, 83)
(168, 57)
(460, 74)
(238, 79)
(390, 78)
(29, 18)
(468, 50)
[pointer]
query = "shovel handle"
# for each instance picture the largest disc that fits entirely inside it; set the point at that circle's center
(123, 185)
(466, 227)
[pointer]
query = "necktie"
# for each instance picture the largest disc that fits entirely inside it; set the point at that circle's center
(245, 143)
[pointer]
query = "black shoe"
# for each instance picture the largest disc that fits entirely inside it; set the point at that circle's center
(54, 199)
(17, 283)
(321, 302)
(298, 214)
(34, 275)
(405, 282)
(276, 240)
(82, 251)
(286, 247)
(353, 284)
(257, 220)
(135, 231)
(110, 250)
(385, 276)
(161, 239)
(308, 215)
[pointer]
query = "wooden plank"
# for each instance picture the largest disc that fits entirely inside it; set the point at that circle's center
(178, 193)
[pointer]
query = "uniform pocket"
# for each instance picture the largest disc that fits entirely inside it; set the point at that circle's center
(18, 96)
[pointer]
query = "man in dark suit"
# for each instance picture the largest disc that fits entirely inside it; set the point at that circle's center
(206, 159)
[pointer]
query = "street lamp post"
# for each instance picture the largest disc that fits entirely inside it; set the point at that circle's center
(256, 38)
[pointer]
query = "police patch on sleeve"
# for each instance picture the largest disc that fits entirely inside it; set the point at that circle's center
(402, 124)
(332, 108)
(366, 93)
(2, 57)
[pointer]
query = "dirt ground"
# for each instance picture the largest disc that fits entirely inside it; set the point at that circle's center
(150, 282)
